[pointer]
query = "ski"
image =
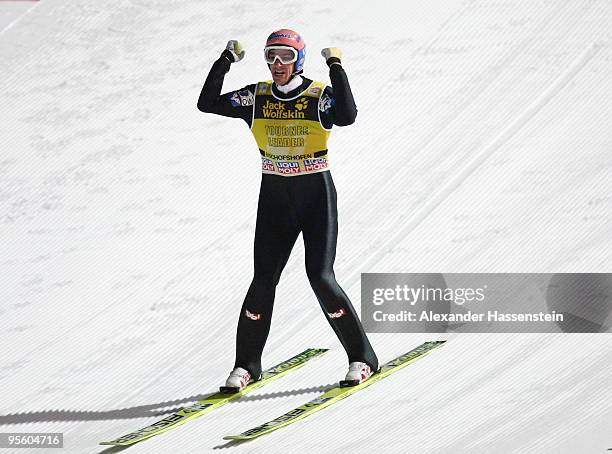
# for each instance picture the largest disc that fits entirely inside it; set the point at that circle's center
(335, 394)
(214, 400)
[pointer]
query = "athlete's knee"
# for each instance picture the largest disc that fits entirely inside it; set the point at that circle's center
(261, 292)
(322, 282)
(318, 271)
(265, 280)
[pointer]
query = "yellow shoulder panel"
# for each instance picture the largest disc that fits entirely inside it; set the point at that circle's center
(264, 88)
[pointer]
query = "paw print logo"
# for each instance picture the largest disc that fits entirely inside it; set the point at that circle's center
(301, 104)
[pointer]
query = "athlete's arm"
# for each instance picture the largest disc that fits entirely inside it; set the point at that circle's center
(343, 107)
(235, 104)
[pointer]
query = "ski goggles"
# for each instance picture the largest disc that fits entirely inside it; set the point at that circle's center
(284, 54)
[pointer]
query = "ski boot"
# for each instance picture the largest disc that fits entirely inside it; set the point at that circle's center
(238, 380)
(357, 373)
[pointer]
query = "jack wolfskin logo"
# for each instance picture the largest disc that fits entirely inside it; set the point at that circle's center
(301, 104)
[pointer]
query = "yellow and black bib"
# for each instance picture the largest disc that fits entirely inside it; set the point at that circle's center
(289, 134)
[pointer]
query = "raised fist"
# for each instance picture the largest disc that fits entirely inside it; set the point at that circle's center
(332, 55)
(235, 50)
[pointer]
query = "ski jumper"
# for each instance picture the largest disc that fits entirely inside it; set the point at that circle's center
(297, 194)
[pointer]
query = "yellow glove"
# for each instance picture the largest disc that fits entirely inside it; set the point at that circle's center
(332, 55)
(235, 49)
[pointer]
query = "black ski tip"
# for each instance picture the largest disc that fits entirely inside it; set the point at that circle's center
(228, 389)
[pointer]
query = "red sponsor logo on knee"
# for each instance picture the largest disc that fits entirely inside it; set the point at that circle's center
(337, 314)
(251, 315)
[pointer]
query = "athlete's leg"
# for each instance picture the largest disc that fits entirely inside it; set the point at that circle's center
(275, 233)
(320, 231)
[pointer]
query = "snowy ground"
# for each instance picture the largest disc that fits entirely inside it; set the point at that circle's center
(483, 144)
(12, 11)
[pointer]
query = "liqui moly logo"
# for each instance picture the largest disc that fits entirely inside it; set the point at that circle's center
(288, 167)
(266, 164)
(251, 315)
(315, 164)
(337, 314)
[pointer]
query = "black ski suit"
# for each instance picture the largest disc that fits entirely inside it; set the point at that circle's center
(287, 206)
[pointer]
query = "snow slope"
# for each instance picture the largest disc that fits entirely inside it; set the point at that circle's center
(12, 10)
(482, 145)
